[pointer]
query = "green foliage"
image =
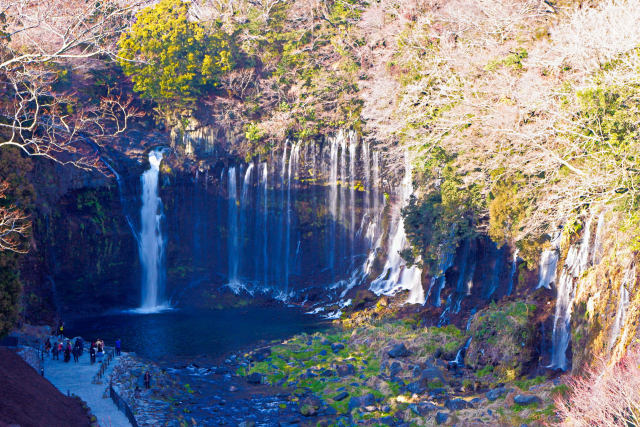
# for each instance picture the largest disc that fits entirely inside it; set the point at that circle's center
(506, 210)
(513, 60)
(443, 216)
(253, 132)
(172, 59)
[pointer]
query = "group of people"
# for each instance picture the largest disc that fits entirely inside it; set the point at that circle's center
(64, 347)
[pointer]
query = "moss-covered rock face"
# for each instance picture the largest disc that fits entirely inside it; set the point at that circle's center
(503, 340)
(602, 326)
(89, 254)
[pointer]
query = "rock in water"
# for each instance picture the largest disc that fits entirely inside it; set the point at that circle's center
(254, 378)
(310, 405)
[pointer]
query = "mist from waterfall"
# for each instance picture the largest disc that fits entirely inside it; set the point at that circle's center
(152, 242)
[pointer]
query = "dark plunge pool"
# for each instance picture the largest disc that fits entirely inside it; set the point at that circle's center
(185, 333)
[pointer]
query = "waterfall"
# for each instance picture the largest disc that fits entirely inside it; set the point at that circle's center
(549, 263)
(447, 255)
(352, 197)
(512, 273)
(151, 242)
(343, 197)
(333, 203)
(123, 205)
(396, 275)
(623, 304)
(462, 277)
(293, 165)
(576, 263)
(232, 230)
(459, 360)
(597, 243)
(243, 230)
(265, 212)
(495, 273)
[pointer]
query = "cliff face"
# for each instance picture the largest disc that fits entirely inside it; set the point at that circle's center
(607, 304)
(83, 256)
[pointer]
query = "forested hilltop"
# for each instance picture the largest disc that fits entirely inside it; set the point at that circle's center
(489, 148)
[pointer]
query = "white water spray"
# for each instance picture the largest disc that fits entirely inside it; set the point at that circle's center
(151, 242)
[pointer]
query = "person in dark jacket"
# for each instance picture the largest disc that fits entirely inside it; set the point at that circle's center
(54, 351)
(92, 354)
(67, 352)
(118, 346)
(147, 379)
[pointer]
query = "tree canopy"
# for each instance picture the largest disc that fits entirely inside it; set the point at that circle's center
(172, 59)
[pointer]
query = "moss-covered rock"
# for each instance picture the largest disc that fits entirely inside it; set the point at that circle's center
(503, 340)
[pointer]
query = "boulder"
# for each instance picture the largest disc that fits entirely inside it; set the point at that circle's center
(362, 401)
(337, 346)
(341, 396)
(431, 374)
(260, 355)
(423, 408)
(526, 399)
(345, 370)
(254, 378)
(442, 417)
(495, 393)
(310, 405)
(398, 350)
(395, 369)
(457, 404)
(416, 387)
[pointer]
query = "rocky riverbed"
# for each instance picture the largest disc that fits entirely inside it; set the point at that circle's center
(390, 372)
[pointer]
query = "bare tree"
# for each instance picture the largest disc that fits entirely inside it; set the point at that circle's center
(38, 38)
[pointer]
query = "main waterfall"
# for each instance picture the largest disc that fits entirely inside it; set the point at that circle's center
(151, 242)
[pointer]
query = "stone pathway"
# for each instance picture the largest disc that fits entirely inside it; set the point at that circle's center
(76, 378)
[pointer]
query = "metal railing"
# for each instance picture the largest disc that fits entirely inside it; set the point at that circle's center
(104, 364)
(122, 405)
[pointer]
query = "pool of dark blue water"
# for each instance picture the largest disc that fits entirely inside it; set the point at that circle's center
(184, 334)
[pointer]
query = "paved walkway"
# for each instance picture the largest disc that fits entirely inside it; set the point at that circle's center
(76, 379)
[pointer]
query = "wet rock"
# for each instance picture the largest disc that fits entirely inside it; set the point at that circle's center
(310, 405)
(323, 352)
(233, 388)
(495, 393)
(341, 396)
(526, 399)
(442, 417)
(398, 350)
(260, 355)
(254, 378)
(457, 404)
(337, 346)
(362, 401)
(345, 370)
